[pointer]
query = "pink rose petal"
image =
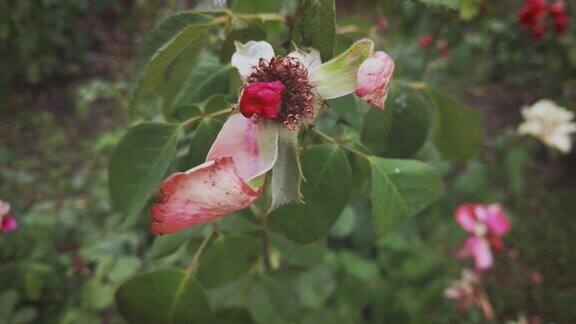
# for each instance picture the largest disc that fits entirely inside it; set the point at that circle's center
(7, 221)
(9, 224)
(242, 151)
(496, 220)
(200, 195)
(465, 217)
(253, 147)
(479, 249)
(374, 77)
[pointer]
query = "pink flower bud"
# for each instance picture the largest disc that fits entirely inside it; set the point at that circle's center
(262, 99)
(374, 77)
(7, 221)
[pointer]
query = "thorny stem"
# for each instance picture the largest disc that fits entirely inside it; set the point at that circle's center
(195, 118)
(335, 141)
(196, 259)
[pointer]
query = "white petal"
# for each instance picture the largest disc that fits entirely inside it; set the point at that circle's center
(248, 55)
(310, 59)
(562, 142)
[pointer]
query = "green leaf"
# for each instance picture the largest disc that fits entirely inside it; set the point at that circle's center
(25, 315)
(316, 286)
(309, 255)
(452, 4)
(287, 172)
(315, 26)
(401, 188)
(402, 129)
(167, 244)
(163, 296)
(228, 258)
(234, 316)
(469, 9)
(337, 77)
(328, 179)
(458, 131)
(207, 79)
(124, 267)
(177, 73)
(8, 301)
(138, 165)
(160, 50)
(202, 140)
(255, 6)
(283, 297)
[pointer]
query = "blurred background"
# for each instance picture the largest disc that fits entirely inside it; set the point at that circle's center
(64, 70)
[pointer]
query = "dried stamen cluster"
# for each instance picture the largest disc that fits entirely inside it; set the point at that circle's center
(297, 98)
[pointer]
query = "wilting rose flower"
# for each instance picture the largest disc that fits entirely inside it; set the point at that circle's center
(532, 17)
(278, 92)
(7, 221)
(551, 124)
(467, 292)
(486, 223)
(425, 42)
(374, 77)
(559, 15)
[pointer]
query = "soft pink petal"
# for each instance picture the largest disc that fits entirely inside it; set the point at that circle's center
(465, 217)
(374, 77)
(479, 249)
(252, 146)
(7, 221)
(9, 224)
(200, 195)
(453, 292)
(4, 208)
(496, 220)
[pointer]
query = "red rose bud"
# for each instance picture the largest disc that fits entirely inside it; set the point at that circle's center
(262, 99)
(425, 42)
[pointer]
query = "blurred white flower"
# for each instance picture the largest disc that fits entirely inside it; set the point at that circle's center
(550, 123)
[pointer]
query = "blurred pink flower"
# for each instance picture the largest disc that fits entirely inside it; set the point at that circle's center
(467, 292)
(382, 24)
(374, 77)
(7, 221)
(486, 223)
(425, 41)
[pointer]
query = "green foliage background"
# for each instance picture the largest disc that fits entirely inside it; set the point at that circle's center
(371, 258)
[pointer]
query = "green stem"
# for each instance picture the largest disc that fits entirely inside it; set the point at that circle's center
(265, 241)
(195, 118)
(196, 258)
